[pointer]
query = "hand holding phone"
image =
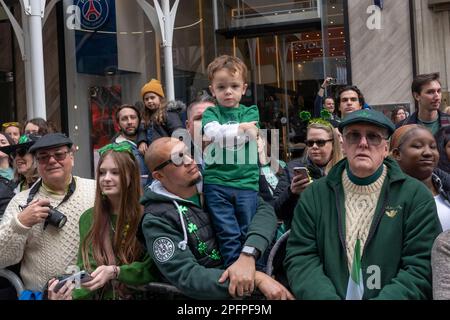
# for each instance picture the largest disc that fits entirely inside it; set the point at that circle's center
(301, 171)
(83, 276)
(301, 180)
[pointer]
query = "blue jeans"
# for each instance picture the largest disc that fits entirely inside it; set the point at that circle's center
(146, 175)
(231, 211)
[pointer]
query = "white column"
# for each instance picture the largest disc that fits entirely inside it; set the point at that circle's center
(162, 21)
(27, 66)
(35, 10)
(167, 44)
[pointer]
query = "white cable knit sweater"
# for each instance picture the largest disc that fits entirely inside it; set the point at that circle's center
(360, 205)
(44, 253)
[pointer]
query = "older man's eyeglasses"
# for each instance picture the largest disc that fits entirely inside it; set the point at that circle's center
(372, 138)
(58, 156)
(177, 159)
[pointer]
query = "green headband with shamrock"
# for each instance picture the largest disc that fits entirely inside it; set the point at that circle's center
(117, 147)
(324, 119)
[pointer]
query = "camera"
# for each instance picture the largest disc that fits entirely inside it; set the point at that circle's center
(332, 81)
(55, 218)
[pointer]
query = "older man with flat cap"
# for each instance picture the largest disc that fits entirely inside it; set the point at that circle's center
(364, 231)
(45, 241)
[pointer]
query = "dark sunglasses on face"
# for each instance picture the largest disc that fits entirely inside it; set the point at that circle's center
(372, 138)
(58, 155)
(19, 152)
(320, 143)
(177, 160)
(353, 99)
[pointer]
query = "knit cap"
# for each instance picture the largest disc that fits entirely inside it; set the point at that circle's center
(152, 86)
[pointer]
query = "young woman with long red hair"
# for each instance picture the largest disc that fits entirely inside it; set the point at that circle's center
(109, 250)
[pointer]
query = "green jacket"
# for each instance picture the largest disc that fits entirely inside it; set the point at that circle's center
(164, 234)
(396, 258)
(134, 274)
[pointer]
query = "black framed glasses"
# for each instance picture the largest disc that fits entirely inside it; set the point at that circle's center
(177, 159)
(320, 143)
(372, 138)
(58, 155)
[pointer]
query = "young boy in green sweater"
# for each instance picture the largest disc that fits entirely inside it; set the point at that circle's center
(231, 160)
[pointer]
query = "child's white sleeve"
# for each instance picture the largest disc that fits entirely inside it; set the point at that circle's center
(226, 135)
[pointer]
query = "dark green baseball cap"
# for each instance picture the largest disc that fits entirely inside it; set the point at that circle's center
(368, 116)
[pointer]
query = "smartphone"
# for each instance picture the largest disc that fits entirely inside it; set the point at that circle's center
(301, 171)
(82, 275)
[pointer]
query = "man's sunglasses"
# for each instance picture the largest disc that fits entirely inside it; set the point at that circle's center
(320, 143)
(372, 138)
(177, 160)
(45, 158)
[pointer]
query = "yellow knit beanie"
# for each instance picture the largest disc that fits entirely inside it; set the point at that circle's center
(152, 86)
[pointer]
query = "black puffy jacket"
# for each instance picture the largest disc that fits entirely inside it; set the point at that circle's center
(284, 200)
(6, 193)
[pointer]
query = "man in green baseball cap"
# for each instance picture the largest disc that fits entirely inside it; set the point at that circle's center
(368, 116)
(365, 231)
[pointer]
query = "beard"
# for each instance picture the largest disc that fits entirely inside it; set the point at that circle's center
(195, 181)
(129, 134)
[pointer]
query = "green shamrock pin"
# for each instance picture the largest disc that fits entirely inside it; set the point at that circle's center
(215, 255)
(183, 209)
(202, 247)
(192, 227)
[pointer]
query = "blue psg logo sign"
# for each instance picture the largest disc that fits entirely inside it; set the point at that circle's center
(94, 13)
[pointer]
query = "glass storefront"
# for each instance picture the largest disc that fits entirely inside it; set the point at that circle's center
(111, 49)
(7, 111)
(15, 74)
(290, 47)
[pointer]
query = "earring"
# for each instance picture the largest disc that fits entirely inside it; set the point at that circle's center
(103, 195)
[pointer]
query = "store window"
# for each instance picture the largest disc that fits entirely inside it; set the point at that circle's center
(112, 49)
(15, 68)
(290, 47)
(7, 101)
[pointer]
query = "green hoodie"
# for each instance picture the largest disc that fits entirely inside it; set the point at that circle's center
(396, 258)
(193, 274)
